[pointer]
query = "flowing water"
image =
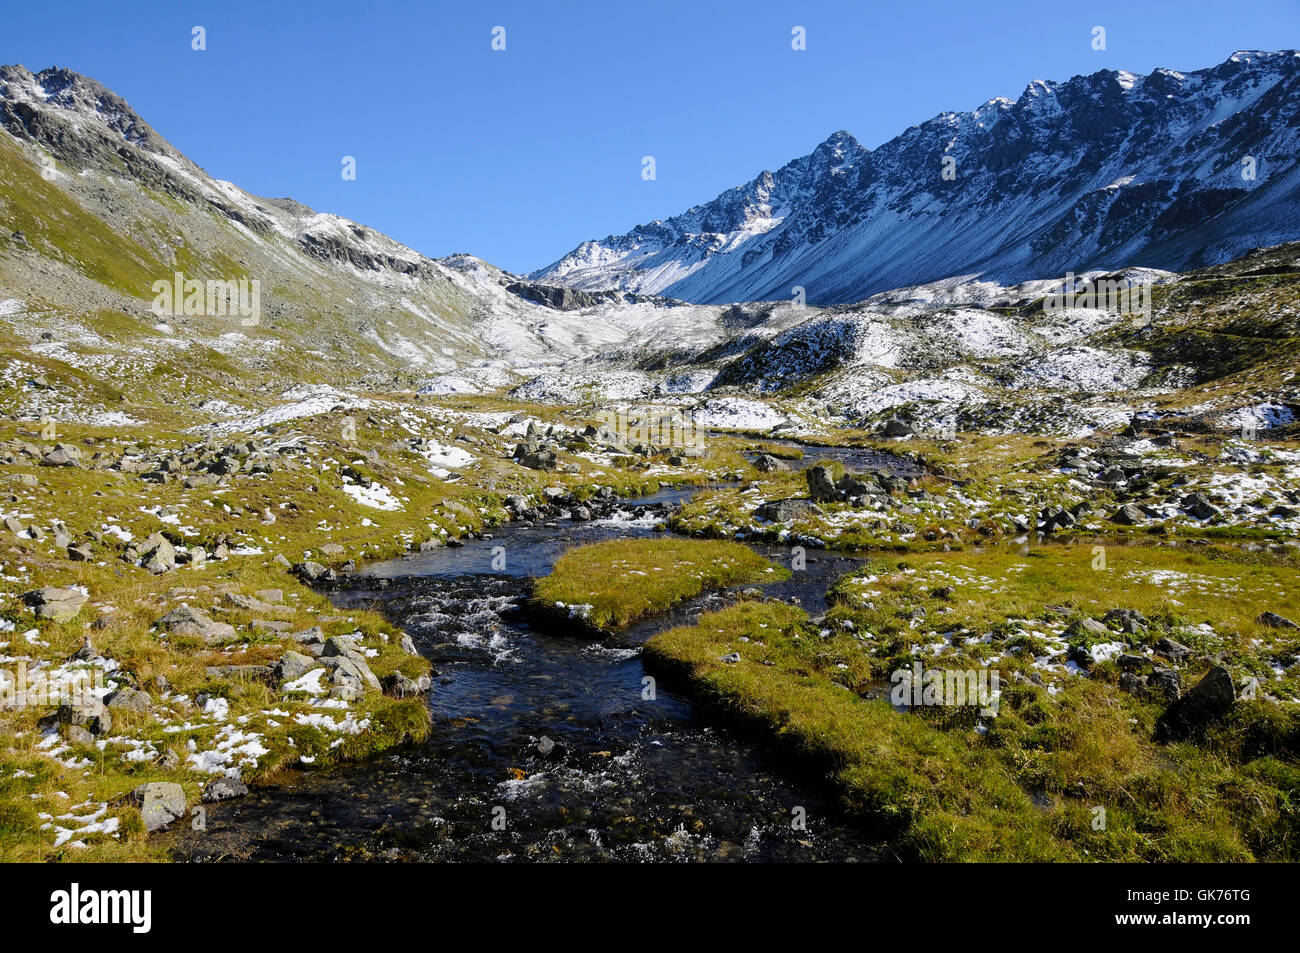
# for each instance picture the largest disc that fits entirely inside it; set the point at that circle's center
(543, 746)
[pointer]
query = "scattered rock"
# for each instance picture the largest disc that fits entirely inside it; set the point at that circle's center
(160, 803)
(821, 485)
(785, 511)
(1176, 652)
(294, 665)
(223, 789)
(185, 620)
(1275, 621)
(1128, 515)
(55, 604)
(1209, 699)
(129, 699)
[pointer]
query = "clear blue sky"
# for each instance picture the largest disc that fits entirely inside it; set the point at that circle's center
(517, 156)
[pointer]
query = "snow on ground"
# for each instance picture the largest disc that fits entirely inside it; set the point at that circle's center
(1076, 369)
(301, 402)
(375, 496)
(736, 413)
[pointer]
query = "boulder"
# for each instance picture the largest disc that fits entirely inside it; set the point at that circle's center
(785, 511)
(55, 604)
(1128, 515)
(129, 699)
(1275, 621)
(91, 716)
(1127, 620)
(158, 555)
(398, 685)
(160, 803)
(185, 620)
(821, 485)
(1176, 652)
(540, 460)
(1208, 700)
(223, 789)
(766, 463)
(294, 665)
(1199, 507)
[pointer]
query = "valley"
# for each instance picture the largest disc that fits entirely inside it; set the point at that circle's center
(382, 573)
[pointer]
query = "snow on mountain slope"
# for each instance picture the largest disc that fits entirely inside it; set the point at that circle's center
(1099, 172)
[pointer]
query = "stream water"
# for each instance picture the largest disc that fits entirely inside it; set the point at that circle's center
(546, 733)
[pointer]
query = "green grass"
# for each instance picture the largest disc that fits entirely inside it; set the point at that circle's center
(624, 580)
(1027, 790)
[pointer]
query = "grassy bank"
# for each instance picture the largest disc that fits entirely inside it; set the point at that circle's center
(1067, 769)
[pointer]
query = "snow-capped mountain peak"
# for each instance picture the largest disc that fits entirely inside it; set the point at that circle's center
(1170, 170)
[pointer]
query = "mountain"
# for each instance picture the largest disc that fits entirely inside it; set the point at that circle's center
(96, 207)
(1099, 172)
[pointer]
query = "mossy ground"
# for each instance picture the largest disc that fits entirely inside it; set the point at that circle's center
(1066, 770)
(616, 582)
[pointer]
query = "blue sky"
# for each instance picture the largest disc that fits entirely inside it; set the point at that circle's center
(517, 156)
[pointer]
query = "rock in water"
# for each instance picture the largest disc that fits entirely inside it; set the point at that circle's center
(223, 789)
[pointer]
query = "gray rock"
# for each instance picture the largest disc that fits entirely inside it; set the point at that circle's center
(81, 553)
(1176, 652)
(1199, 507)
(91, 715)
(223, 789)
(821, 485)
(1127, 620)
(785, 511)
(897, 428)
(408, 645)
(1089, 628)
(294, 665)
(398, 685)
(185, 620)
(158, 555)
(129, 699)
(55, 604)
(1208, 700)
(1275, 621)
(859, 486)
(310, 571)
(160, 803)
(540, 460)
(313, 636)
(351, 674)
(63, 455)
(1166, 682)
(766, 463)
(1128, 515)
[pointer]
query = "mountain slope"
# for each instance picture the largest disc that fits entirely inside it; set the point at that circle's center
(96, 206)
(1100, 172)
